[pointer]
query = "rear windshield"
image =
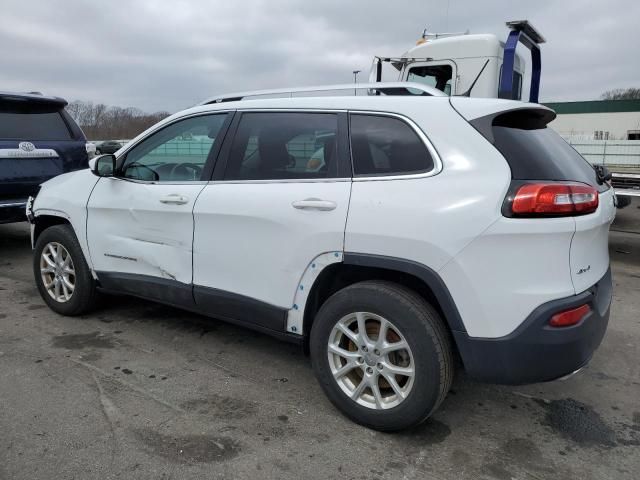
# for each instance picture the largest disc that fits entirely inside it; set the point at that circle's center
(536, 152)
(32, 126)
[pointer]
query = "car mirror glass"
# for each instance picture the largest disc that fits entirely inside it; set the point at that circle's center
(104, 166)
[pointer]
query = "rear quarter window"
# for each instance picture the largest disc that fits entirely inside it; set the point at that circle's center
(534, 151)
(382, 145)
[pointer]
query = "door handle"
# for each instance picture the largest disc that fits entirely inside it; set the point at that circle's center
(174, 199)
(315, 204)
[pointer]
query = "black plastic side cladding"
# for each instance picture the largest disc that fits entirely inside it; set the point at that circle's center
(424, 273)
(227, 306)
(535, 351)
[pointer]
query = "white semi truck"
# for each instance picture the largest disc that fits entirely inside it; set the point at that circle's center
(478, 65)
(481, 65)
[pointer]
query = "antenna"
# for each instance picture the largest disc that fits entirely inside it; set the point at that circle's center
(427, 34)
(473, 84)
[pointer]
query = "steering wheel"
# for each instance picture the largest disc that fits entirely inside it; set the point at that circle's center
(185, 171)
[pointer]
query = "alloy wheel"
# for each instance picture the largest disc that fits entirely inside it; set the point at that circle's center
(371, 360)
(57, 272)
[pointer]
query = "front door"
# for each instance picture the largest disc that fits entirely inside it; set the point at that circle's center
(140, 223)
(279, 200)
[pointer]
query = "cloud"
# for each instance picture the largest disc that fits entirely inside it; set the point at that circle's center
(169, 55)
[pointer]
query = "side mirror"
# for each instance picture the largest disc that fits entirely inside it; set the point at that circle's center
(103, 166)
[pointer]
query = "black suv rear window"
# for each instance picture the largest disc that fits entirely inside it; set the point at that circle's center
(536, 152)
(25, 125)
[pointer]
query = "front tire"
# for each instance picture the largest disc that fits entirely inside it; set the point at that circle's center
(61, 273)
(382, 355)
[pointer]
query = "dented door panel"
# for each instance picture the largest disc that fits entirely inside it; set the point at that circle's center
(131, 228)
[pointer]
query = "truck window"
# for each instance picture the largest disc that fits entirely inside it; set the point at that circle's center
(438, 76)
(516, 93)
(517, 86)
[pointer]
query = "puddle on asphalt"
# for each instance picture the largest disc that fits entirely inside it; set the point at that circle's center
(582, 424)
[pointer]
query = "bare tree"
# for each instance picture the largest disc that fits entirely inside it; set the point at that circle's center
(621, 94)
(102, 122)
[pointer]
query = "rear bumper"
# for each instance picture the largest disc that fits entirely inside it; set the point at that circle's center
(13, 210)
(536, 352)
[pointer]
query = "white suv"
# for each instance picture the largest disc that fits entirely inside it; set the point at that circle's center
(387, 234)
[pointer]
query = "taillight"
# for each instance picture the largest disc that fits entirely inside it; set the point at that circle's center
(554, 199)
(569, 317)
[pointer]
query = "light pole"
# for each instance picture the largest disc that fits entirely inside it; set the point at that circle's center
(355, 81)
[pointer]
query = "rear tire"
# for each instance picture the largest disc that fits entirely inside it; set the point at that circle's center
(58, 259)
(426, 364)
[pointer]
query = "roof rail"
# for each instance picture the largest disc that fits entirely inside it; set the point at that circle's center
(386, 88)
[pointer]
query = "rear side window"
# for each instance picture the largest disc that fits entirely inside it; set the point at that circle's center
(32, 126)
(282, 145)
(535, 152)
(382, 145)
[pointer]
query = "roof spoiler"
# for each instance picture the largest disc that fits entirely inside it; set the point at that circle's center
(32, 98)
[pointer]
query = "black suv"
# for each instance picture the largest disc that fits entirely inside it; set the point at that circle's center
(38, 140)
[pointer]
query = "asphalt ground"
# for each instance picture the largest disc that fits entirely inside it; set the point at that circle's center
(143, 391)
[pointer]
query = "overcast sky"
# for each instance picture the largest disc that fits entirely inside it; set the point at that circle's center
(168, 55)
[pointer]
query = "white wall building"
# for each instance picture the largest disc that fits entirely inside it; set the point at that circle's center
(597, 120)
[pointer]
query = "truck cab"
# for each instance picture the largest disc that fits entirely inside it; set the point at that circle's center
(478, 65)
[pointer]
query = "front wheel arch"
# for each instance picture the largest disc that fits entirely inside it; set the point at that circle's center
(42, 222)
(83, 295)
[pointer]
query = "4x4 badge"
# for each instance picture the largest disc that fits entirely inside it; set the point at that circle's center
(27, 146)
(583, 270)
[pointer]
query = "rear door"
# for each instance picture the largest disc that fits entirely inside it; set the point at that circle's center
(279, 199)
(140, 223)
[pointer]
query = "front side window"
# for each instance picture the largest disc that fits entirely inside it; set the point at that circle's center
(438, 76)
(382, 145)
(178, 152)
(283, 145)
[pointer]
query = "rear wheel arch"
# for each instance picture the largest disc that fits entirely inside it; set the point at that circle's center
(358, 267)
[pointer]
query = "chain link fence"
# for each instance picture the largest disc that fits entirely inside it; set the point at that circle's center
(617, 155)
